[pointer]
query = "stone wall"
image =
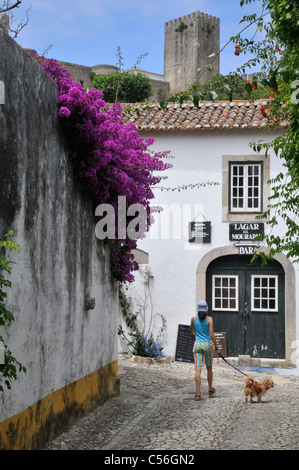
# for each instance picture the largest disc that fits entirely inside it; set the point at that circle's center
(82, 74)
(70, 352)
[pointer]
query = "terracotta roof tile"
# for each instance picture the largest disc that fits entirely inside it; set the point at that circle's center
(208, 115)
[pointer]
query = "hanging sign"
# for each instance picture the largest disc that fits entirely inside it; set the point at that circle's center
(245, 231)
(246, 248)
(200, 232)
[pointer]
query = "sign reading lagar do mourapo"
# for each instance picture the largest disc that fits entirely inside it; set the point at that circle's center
(245, 231)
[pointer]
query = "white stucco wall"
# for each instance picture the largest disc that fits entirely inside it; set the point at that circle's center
(61, 262)
(172, 260)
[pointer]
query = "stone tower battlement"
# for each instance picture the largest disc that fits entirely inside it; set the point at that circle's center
(188, 41)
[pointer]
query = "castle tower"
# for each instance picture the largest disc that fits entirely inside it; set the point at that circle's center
(187, 43)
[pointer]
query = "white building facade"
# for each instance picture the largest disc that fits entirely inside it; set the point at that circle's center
(201, 244)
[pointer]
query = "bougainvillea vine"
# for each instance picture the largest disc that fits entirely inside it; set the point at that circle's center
(111, 158)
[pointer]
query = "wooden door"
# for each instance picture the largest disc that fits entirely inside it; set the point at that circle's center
(247, 302)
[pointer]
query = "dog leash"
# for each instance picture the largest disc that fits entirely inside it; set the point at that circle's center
(235, 367)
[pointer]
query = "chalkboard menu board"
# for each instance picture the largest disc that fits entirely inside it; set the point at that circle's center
(185, 342)
(184, 345)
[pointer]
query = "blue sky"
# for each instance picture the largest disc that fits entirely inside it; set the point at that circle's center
(88, 32)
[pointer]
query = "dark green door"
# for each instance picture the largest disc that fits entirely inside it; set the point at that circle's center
(247, 302)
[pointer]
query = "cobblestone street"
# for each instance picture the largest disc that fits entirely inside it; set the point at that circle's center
(156, 411)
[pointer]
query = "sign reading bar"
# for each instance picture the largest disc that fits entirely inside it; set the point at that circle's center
(246, 248)
(245, 231)
(200, 232)
(185, 342)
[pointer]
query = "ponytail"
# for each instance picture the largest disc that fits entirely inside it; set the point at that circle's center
(202, 315)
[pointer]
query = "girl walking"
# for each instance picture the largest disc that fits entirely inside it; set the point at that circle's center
(202, 328)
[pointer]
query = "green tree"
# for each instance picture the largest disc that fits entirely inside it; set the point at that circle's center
(126, 87)
(9, 370)
(220, 87)
(277, 78)
(278, 57)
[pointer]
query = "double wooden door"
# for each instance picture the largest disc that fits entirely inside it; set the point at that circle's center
(247, 302)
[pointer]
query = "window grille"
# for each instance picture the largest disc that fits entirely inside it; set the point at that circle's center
(246, 187)
(264, 293)
(225, 293)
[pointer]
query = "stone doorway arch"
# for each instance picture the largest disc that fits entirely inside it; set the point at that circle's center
(290, 290)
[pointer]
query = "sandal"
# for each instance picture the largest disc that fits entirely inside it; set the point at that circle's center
(211, 392)
(197, 397)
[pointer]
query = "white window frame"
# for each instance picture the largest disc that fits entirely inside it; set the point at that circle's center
(214, 298)
(268, 298)
(243, 191)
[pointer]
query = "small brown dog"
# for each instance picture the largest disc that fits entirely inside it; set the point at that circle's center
(253, 388)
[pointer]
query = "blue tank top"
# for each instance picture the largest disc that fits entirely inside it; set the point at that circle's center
(202, 330)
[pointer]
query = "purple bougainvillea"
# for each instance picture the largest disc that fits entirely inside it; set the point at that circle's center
(111, 158)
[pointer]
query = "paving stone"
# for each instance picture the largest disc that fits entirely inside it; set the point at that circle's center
(156, 410)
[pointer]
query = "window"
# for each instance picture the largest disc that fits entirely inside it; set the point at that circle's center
(264, 293)
(225, 293)
(245, 187)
